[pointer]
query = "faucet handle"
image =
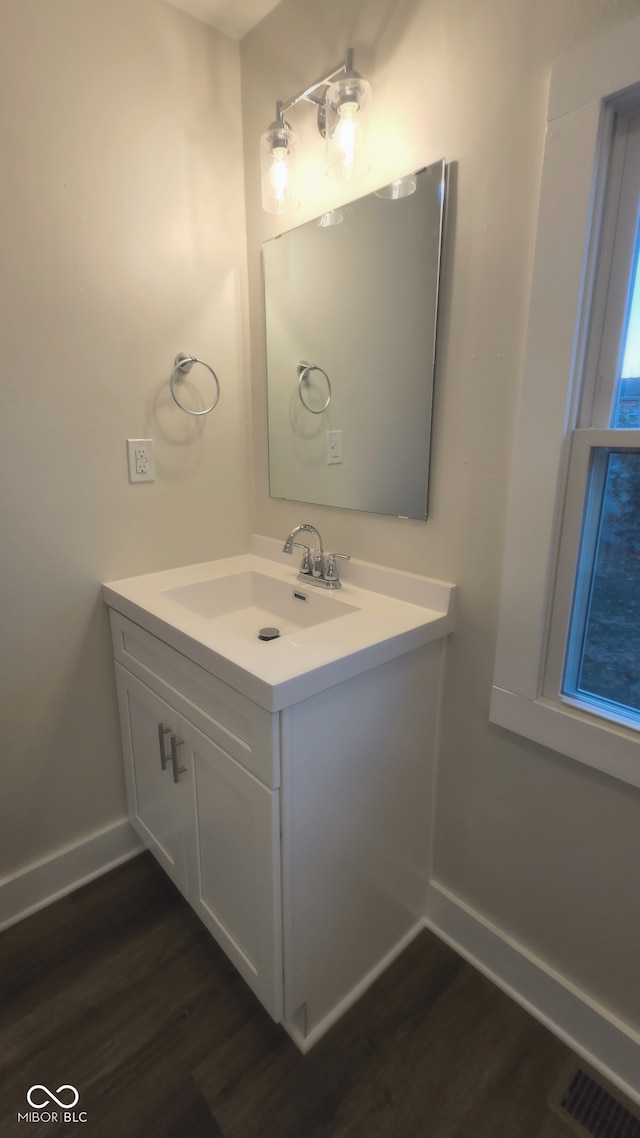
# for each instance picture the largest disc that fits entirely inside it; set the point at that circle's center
(305, 564)
(331, 572)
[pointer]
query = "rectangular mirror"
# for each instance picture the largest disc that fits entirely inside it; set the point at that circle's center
(351, 303)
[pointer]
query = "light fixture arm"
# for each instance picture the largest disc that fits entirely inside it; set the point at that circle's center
(309, 95)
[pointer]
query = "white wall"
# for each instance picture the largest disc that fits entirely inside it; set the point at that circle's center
(122, 243)
(541, 846)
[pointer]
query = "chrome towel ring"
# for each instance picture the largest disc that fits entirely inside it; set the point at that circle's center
(181, 366)
(303, 374)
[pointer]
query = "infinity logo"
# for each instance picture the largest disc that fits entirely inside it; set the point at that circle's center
(52, 1097)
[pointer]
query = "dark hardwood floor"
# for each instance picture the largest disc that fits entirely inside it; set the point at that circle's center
(119, 991)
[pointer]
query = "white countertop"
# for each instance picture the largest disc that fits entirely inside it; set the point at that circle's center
(278, 673)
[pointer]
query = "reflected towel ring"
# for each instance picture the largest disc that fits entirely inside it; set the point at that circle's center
(303, 373)
(183, 364)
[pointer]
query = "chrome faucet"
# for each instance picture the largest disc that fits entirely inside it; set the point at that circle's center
(313, 568)
(314, 562)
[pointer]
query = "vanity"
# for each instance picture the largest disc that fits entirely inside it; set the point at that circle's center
(285, 785)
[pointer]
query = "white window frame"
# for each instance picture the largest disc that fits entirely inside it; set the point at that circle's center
(579, 531)
(583, 86)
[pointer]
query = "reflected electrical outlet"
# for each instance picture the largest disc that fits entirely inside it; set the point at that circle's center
(334, 447)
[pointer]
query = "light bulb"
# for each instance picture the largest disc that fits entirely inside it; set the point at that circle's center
(279, 173)
(277, 159)
(344, 131)
(347, 136)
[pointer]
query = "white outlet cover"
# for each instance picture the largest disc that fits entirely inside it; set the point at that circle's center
(140, 460)
(334, 447)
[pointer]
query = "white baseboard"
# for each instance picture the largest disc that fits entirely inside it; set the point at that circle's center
(588, 1029)
(305, 1042)
(45, 881)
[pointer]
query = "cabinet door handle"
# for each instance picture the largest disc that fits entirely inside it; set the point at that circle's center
(164, 758)
(177, 771)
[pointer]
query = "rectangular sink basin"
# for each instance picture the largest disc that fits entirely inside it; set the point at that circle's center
(245, 603)
(213, 612)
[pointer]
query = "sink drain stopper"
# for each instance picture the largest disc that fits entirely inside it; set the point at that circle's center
(268, 634)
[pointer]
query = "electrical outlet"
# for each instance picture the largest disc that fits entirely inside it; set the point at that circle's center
(140, 456)
(334, 447)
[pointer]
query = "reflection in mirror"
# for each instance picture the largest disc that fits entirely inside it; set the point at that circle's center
(351, 302)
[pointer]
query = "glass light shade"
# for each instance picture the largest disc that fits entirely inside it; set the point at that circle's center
(401, 188)
(278, 152)
(347, 102)
(332, 217)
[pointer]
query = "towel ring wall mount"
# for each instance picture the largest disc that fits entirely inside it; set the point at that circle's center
(304, 370)
(182, 366)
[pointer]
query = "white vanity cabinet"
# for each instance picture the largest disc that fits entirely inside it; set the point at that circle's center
(210, 821)
(234, 864)
(299, 824)
(157, 807)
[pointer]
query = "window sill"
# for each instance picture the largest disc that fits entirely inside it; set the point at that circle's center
(600, 744)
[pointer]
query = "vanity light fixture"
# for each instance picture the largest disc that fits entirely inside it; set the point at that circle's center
(341, 98)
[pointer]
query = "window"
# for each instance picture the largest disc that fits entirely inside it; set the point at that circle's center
(603, 650)
(594, 643)
(568, 657)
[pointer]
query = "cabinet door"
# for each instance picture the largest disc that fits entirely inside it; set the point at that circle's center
(158, 806)
(234, 865)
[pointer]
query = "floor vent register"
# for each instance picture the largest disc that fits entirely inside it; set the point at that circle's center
(592, 1107)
